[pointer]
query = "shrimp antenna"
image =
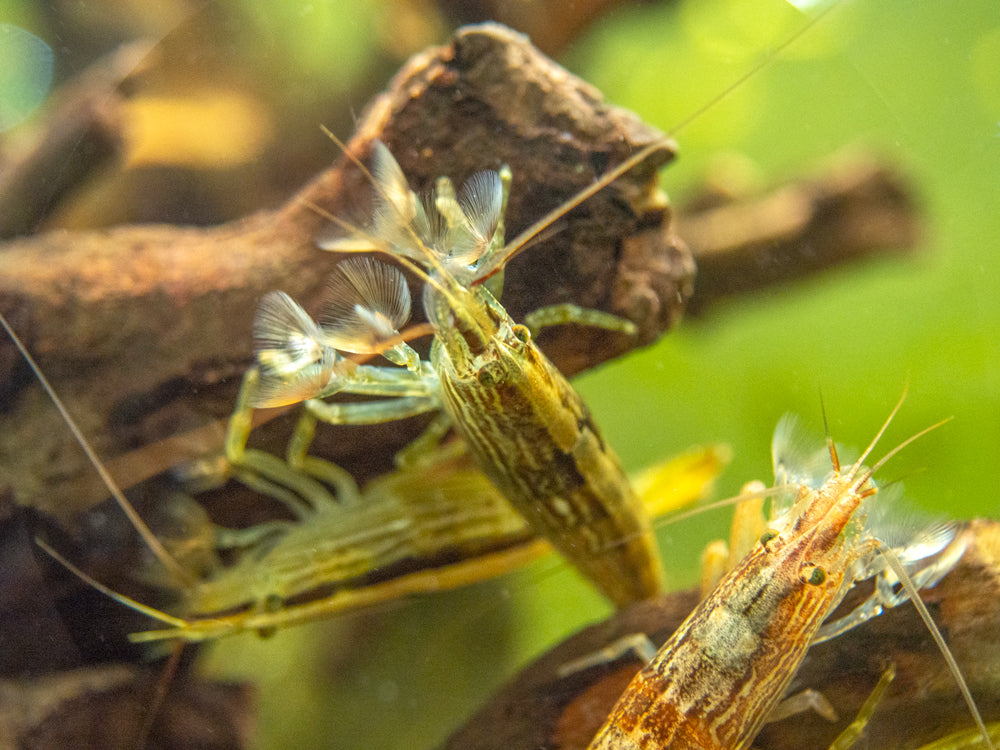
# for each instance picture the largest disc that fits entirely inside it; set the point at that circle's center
(109, 592)
(144, 531)
(350, 155)
(893, 561)
(762, 63)
(882, 461)
(726, 502)
(878, 436)
(830, 445)
(911, 590)
(520, 243)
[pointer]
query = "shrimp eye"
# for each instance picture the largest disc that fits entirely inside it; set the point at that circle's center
(767, 536)
(813, 575)
(521, 333)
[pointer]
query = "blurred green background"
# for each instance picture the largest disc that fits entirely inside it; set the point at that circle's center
(919, 81)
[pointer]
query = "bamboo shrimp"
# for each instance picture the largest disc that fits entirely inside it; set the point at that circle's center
(716, 680)
(431, 525)
(529, 431)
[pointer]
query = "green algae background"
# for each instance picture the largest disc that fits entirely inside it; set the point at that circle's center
(917, 81)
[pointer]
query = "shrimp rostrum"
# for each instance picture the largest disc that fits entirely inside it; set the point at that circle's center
(528, 430)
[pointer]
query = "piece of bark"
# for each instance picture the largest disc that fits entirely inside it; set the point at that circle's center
(856, 207)
(552, 25)
(105, 707)
(146, 329)
(539, 710)
(82, 133)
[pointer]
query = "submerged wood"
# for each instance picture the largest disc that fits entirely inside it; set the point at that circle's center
(854, 207)
(539, 710)
(146, 329)
(106, 706)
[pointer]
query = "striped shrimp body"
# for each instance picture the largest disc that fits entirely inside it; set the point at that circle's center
(535, 438)
(526, 427)
(714, 683)
(435, 525)
(432, 524)
(424, 528)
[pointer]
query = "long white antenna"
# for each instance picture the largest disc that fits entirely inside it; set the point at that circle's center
(144, 531)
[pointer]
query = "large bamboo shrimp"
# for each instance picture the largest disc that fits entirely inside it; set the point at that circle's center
(430, 525)
(529, 431)
(716, 680)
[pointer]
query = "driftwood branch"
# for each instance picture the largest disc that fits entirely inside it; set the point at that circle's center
(107, 707)
(853, 208)
(539, 710)
(146, 329)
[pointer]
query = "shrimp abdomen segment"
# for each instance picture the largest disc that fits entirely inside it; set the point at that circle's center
(713, 683)
(534, 437)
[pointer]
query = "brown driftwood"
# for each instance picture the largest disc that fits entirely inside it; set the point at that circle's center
(539, 710)
(146, 329)
(107, 707)
(552, 25)
(854, 207)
